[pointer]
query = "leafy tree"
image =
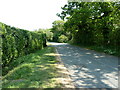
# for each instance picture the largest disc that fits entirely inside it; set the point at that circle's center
(57, 29)
(48, 33)
(90, 23)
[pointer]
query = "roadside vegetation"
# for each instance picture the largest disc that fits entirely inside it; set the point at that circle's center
(101, 49)
(35, 70)
(16, 43)
(26, 61)
(95, 25)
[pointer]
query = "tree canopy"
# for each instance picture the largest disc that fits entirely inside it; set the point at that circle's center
(92, 22)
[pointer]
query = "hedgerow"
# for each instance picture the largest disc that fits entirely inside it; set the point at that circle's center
(18, 42)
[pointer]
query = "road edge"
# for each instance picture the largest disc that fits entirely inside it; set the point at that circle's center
(67, 81)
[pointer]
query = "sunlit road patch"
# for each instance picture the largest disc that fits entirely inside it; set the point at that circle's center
(89, 69)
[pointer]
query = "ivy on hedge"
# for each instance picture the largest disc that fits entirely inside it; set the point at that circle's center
(18, 42)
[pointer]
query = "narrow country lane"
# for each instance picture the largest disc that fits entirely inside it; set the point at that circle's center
(89, 69)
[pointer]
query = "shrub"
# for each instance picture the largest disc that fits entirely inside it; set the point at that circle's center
(63, 38)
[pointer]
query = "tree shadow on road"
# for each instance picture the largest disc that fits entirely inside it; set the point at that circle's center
(89, 69)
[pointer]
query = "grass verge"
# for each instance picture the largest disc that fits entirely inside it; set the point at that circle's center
(36, 70)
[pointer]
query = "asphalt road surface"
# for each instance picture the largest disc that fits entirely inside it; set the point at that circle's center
(87, 68)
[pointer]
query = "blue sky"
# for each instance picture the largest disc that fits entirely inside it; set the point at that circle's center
(30, 14)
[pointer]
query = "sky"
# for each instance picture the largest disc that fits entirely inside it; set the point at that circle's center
(30, 14)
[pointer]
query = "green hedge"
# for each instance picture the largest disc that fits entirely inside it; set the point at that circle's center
(18, 42)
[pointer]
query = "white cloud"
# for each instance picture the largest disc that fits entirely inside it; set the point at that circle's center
(30, 14)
